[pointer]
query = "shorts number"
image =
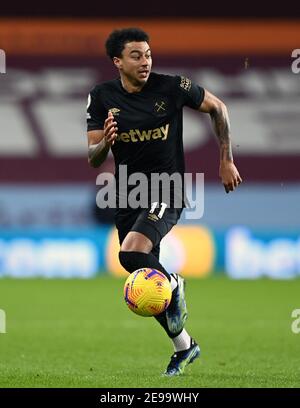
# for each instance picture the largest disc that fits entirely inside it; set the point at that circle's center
(162, 210)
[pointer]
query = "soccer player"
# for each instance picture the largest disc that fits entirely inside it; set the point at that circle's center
(139, 117)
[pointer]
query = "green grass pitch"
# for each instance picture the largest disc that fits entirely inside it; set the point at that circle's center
(79, 333)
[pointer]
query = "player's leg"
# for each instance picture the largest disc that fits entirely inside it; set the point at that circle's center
(137, 250)
(186, 350)
(136, 253)
(145, 236)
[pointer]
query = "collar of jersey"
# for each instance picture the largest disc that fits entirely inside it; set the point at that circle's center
(145, 87)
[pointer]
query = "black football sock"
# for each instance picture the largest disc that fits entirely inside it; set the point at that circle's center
(133, 260)
(162, 320)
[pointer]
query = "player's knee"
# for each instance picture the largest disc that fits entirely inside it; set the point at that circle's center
(136, 241)
(132, 260)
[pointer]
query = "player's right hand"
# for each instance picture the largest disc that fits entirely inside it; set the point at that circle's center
(110, 129)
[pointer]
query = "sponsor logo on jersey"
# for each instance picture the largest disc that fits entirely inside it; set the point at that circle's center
(114, 111)
(137, 135)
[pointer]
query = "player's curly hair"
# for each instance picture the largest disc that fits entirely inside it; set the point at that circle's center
(116, 41)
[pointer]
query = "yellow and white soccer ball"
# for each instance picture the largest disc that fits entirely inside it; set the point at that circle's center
(147, 292)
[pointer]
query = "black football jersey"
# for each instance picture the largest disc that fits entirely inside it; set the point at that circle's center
(149, 138)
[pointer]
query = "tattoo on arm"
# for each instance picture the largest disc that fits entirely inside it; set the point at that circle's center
(97, 153)
(220, 120)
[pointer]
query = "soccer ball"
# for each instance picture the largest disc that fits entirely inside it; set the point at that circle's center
(147, 292)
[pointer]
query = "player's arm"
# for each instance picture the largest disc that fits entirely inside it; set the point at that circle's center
(100, 141)
(219, 116)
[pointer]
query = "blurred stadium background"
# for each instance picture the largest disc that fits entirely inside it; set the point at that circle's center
(66, 332)
(49, 224)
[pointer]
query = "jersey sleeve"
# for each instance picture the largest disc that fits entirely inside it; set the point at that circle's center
(187, 93)
(96, 112)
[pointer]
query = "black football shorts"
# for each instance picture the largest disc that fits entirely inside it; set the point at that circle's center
(154, 222)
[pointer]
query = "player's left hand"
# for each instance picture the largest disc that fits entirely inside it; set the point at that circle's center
(229, 175)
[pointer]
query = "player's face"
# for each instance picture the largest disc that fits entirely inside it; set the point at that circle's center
(136, 62)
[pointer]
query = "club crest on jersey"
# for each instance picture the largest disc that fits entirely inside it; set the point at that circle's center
(114, 111)
(160, 108)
